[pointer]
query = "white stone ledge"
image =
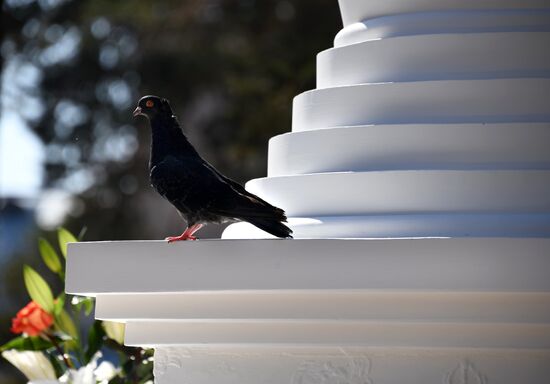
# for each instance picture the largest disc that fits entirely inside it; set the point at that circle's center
(459, 56)
(481, 307)
(424, 102)
(407, 192)
(461, 264)
(411, 147)
(360, 311)
(339, 332)
(424, 23)
(405, 226)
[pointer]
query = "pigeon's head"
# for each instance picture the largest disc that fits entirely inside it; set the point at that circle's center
(151, 106)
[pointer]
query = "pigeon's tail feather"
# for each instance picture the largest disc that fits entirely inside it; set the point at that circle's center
(252, 207)
(258, 212)
(276, 228)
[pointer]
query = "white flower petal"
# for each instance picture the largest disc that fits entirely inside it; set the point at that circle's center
(34, 365)
(105, 371)
(114, 331)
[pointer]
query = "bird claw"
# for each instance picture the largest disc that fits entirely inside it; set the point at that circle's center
(172, 239)
(186, 235)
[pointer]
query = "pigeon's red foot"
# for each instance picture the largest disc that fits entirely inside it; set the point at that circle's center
(186, 235)
(171, 239)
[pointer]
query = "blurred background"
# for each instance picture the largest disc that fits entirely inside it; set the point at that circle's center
(72, 70)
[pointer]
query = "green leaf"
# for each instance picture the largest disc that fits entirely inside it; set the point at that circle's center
(65, 324)
(64, 237)
(38, 289)
(59, 370)
(88, 305)
(79, 302)
(26, 343)
(59, 304)
(95, 341)
(49, 255)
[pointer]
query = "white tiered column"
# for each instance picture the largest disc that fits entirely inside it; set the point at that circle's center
(430, 118)
(417, 182)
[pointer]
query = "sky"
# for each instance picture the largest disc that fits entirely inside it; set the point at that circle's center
(22, 153)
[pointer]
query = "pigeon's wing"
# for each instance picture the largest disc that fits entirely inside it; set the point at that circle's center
(241, 190)
(191, 185)
(186, 183)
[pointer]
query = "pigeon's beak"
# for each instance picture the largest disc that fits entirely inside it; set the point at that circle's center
(137, 111)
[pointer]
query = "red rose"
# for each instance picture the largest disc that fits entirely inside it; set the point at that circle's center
(32, 320)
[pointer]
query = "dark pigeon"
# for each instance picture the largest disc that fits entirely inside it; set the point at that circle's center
(199, 192)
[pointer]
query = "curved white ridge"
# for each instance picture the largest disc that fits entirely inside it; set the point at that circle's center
(402, 192)
(459, 56)
(354, 11)
(412, 225)
(449, 101)
(411, 146)
(444, 23)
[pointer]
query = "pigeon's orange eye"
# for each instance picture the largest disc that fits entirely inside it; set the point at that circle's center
(149, 103)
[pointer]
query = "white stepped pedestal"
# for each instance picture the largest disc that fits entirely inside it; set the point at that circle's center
(327, 311)
(430, 118)
(416, 179)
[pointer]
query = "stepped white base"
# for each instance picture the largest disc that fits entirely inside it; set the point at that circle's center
(460, 56)
(424, 102)
(411, 226)
(407, 192)
(350, 366)
(323, 311)
(411, 147)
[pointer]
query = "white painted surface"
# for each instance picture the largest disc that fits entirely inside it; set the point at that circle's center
(409, 334)
(350, 365)
(460, 57)
(424, 102)
(295, 311)
(373, 305)
(408, 225)
(399, 192)
(468, 264)
(445, 22)
(410, 147)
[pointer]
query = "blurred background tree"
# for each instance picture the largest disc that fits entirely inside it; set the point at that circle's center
(72, 71)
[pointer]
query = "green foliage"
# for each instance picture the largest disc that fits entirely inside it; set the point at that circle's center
(27, 343)
(62, 343)
(65, 324)
(59, 304)
(49, 255)
(96, 336)
(38, 289)
(88, 304)
(64, 237)
(56, 363)
(82, 302)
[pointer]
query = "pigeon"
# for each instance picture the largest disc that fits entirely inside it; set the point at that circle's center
(199, 192)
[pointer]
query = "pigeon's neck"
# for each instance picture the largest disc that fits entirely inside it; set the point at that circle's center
(167, 139)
